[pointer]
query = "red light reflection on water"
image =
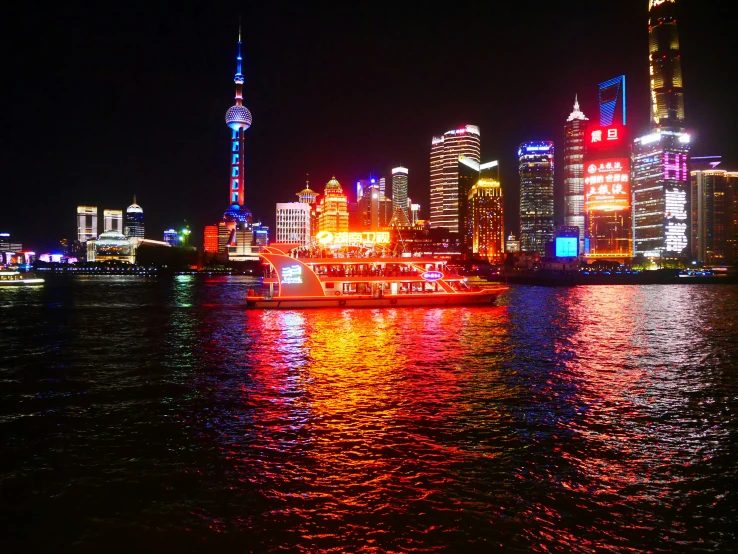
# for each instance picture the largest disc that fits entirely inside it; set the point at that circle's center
(356, 412)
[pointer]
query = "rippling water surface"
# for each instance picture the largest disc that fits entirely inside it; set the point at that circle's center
(141, 415)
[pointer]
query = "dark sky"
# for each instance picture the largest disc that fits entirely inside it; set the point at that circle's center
(105, 100)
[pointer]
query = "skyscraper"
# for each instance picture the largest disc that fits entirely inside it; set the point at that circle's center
(86, 223)
(667, 96)
(333, 209)
(576, 128)
(486, 228)
(399, 190)
(210, 242)
(660, 160)
(469, 173)
(113, 220)
(134, 223)
(294, 223)
(375, 210)
(607, 179)
(445, 152)
(711, 223)
(731, 230)
(536, 169)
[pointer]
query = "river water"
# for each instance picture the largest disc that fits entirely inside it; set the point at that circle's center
(160, 415)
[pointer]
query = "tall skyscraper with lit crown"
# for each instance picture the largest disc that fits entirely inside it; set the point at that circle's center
(660, 160)
(667, 95)
(576, 128)
(333, 213)
(134, 221)
(399, 190)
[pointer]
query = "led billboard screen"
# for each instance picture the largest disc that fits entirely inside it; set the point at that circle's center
(567, 247)
(607, 185)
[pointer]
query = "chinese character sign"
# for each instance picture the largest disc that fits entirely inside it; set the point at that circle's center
(607, 185)
(606, 139)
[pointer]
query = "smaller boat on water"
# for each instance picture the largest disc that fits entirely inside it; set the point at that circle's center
(362, 282)
(17, 279)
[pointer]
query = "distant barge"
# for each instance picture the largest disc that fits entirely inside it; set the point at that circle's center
(17, 279)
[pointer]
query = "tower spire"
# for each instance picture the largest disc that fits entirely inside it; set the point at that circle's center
(577, 113)
(238, 78)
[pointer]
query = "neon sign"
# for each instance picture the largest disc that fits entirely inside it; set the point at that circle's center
(607, 185)
(353, 239)
(432, 276)
(606, 138)
(292, 275)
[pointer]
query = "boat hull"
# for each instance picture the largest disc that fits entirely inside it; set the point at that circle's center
(399, 301)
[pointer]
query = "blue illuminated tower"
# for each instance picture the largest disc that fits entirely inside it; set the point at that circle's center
(238, 118)
(612, 97)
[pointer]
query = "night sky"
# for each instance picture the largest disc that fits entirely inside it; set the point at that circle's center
(105, 100)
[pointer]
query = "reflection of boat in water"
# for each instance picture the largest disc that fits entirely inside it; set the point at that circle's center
(363, 282)
(17, 279)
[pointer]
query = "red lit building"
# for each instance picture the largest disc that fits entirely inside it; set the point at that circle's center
(211, 239)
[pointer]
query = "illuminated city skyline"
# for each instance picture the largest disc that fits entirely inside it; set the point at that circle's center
(508, 115)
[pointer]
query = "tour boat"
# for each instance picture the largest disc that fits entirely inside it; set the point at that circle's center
(362, 282)
(17, 279)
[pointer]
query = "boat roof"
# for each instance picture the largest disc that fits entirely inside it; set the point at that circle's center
(344, 261)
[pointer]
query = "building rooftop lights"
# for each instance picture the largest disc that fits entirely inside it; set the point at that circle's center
(397, 170)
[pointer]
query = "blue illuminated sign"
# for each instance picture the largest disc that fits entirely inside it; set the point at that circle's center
(567, 247)
(432, 275)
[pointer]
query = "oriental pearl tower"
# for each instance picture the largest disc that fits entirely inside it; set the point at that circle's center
(238, 118)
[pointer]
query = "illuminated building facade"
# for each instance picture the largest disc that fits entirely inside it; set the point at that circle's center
(294, 223)
(575, 130)
(485, 221)
(374, 210)
(612, 102)
(536, 169)
(444, 183)
(661, 195)
(333, 209)
(667, 95)
(711, 216)
(210, 239)
(512, 245)
(660, 160)
(469, 173)
(111, 246)
(86, 223)
(732, 219)
(170, 237)
(414, 213)
(113, 220)
(363, 184)
(134, 222)
(607, 193)
(399, 190)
